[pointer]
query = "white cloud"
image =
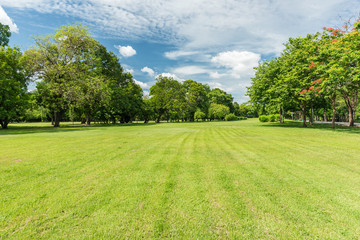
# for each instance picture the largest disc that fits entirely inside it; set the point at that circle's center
(174, 76)
(190, 70)
(142, 84)
(6, 20)
(220, 86)
(240, 63)
(258, 25)
(148, 71)
(217, 75)
(178, 54)
(126, 51)
(129, 70)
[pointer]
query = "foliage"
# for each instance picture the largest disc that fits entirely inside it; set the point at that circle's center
(4, 35)
(309, 75)
(218, 111)
(263, 118)
(13, 79)
(199, 115)
(231, 117)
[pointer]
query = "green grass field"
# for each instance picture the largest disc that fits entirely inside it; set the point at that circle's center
(209, 180)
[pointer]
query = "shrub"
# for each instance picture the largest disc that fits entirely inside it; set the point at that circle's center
(272, 118)
(242, 118)
(218, 111)
(199, 115)
(231, 117)
(263, 118)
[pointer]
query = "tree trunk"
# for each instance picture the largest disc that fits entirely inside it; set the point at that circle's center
(351, 117)
(311, 120)
(283, 114)
(333, 100)
(4, 124)
(56, 119)
(304, 114)
(325, 117)
(88, 118)
(351, 103)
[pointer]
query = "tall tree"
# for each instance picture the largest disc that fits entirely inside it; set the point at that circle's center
(196, 97)
(13, 79)
(168, 97)
(219, 96)
(63, 60)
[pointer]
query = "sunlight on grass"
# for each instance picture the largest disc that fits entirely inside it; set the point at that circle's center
(238, 180)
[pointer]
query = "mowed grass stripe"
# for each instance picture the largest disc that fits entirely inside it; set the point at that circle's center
(180, 180)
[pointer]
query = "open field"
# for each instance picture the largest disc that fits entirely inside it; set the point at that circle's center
(241, 179)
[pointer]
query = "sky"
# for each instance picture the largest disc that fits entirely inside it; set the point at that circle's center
(215, 42)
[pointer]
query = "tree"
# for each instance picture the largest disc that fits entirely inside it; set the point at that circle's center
(218, 111)
(168, 98)
(13, 79)
(219, 96)
(64, 61)
(199, 115)
(4, 35)
(196, 97)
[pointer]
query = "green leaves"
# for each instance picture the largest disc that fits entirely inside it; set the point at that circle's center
(13, 79)
(4, 35)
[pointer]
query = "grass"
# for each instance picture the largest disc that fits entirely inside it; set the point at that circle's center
(209, 180)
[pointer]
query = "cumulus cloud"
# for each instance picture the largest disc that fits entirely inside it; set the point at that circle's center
(6, 20)
(142, 84)
(240, 63)
(148, 71)
(126, 51)
(174, 76)
(217, 75)
(190, 70)
(129, 70)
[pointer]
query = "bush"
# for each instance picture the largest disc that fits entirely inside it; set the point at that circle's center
(272, 118)
(263, 118)
(231, 117)
(199, 115)
(242, 118)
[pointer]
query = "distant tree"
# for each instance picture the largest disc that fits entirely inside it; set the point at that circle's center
(196, 97)
(168, 98)
(218, 111)
(4, 35)
(147, 110)
(199, 115)
(219, 96)
(13, 79)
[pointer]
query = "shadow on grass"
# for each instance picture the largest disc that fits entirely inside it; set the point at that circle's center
(29, 128)
(320, 126)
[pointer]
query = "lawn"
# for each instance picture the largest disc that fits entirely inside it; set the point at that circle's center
(211, 180)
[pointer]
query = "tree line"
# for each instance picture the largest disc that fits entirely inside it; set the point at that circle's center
(78, 79)
(317, 75)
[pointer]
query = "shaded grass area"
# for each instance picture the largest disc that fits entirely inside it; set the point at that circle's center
(208, 180)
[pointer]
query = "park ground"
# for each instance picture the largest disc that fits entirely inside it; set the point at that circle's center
(206, 180)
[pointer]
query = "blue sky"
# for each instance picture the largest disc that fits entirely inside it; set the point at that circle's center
(217, 42)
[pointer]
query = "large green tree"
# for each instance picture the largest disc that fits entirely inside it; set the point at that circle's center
(13, 79)
(168, 98)
(66, 63)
